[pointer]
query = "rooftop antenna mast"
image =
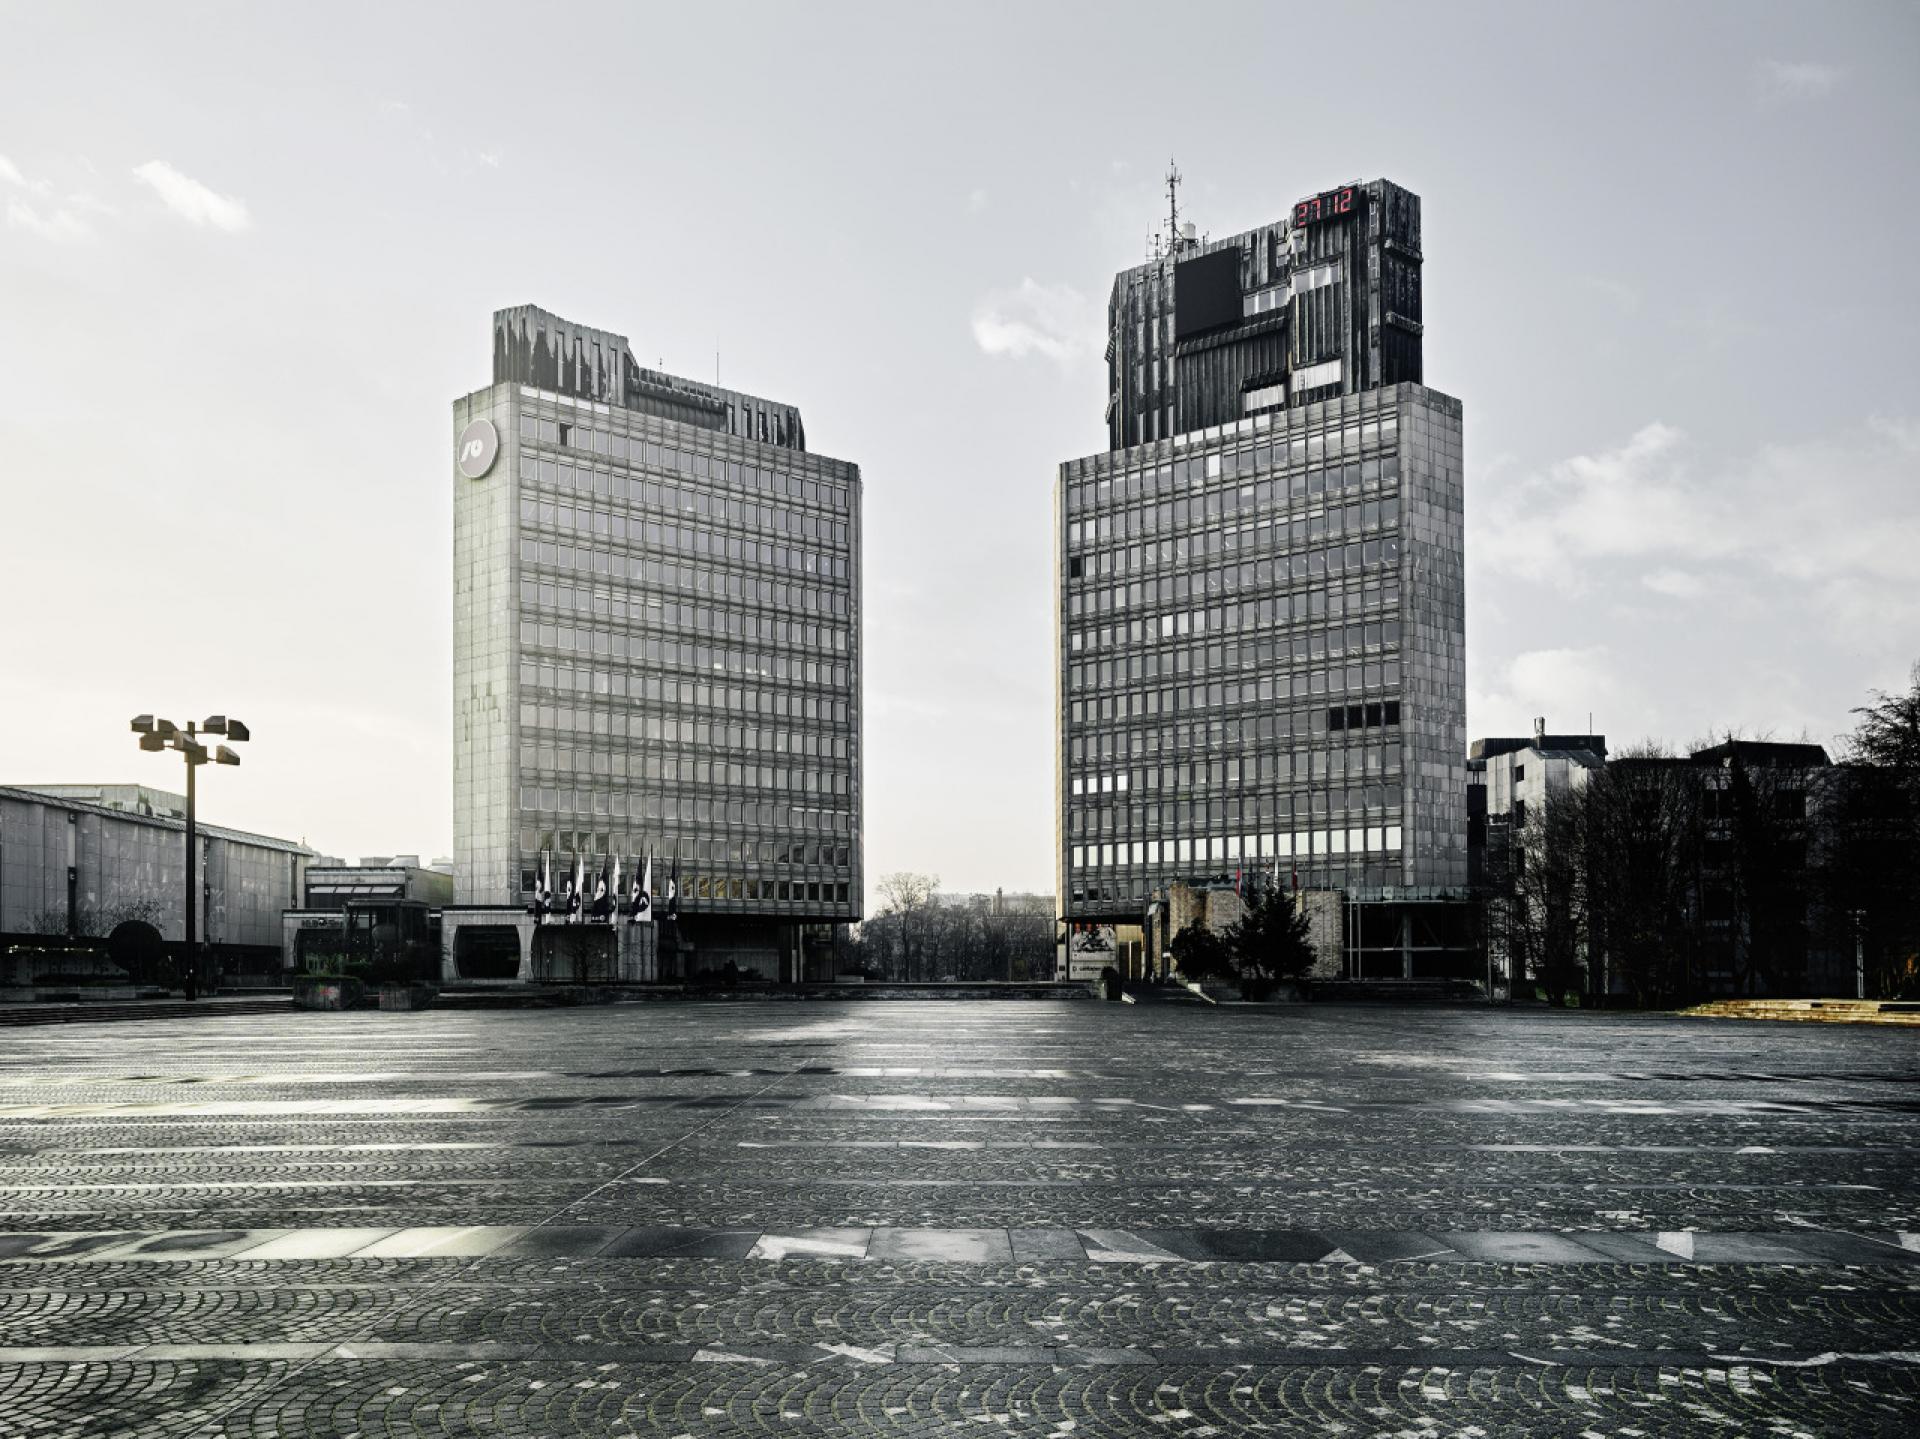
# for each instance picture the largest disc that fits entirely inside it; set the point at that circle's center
(1173, 207)
(1174, 204)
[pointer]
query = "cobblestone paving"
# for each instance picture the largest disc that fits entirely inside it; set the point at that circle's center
(921, 1218)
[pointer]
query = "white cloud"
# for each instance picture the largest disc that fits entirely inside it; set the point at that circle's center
(1787, 80)
(1562, 686)
(1623, 295)
(976, 201)
(59, 226)
(11, 174)
(93, 204)
(1831, 515)
(1741, 589)
(191, 200)
(1056, 321)
(1678, 583)
(1634, 500)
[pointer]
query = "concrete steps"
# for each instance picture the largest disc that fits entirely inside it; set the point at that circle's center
(15, 1015)
(1396, 991)
(1816, 1011)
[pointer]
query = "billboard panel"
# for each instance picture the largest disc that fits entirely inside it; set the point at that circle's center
(1090, 949)
(1206, 292)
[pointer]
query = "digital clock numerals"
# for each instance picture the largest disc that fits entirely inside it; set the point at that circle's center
(1324, 207)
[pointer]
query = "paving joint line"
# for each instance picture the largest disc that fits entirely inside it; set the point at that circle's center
(214, 1421)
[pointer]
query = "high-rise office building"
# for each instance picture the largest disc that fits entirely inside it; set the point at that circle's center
(1261, 665)
(656, 650)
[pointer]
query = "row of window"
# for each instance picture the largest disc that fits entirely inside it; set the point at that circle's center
(1256, 811)
(694, 887)
(600, 563)
(557, 482)
(732, 850)
(549, 673)
(1355, 597)
(1303, 648)
(1379, 840)
(1119, 889)
(627, 720)
(803, 853)
(1265, 496)
(1363, 716)
(1093, 484)
(1202, 546)
(1221, 533)
(541, 804)
(636, 450)
(1230, 694)
(642, 594)
(649, 609)
(1257, 769)
(799, 667)
(672, 767)
(1228, 733)
(666, 729)
(563, 521)
(599, 800)
(1358, 559)
(809, 850)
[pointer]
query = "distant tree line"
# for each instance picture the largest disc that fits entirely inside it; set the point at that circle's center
(918, 936)
(1666, 878)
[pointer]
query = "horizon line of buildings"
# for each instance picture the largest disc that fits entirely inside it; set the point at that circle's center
(1259, 616)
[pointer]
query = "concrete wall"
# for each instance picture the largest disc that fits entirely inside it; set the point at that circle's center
(485, 684)
(133, 866)
(1323, 910)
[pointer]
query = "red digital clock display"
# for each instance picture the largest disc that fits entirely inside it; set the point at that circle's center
(1324, 207)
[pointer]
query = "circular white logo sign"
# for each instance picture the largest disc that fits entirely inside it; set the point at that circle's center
(479, 443)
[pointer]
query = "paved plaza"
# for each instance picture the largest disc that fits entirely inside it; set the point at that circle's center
(917, 1218)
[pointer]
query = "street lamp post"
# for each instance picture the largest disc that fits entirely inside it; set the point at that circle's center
(163, 734)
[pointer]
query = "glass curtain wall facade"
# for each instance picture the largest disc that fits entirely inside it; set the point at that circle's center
(1261, 660)
(656, 639)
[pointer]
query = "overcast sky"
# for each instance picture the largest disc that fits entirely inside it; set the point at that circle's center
(250, 254)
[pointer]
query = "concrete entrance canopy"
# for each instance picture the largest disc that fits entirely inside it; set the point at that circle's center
(463, 959)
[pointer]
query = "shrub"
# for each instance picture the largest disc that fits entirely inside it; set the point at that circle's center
(1201, 954)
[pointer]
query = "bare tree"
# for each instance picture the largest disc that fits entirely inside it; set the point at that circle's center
(1641, 830)
(1536, 915)
(914, 934)
(1867, 861)
(1888, 734)
(908, 895)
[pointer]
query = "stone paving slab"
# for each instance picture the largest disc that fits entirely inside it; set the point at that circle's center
(972, 1246)
(440, 1396)
(915, 1219)
(373, 1351)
